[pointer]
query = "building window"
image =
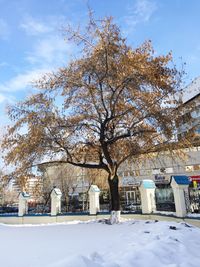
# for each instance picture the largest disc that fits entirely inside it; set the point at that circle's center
(137, 172)
(197, 131)
(162, 170)
(155, 171)
(189, 168)
(196, 167)
(148, 172)
(186, 117)
(126, 173)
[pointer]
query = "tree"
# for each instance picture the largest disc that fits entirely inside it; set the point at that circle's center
(111, 104)
(7, 195)
(70, 180)
(2, 188)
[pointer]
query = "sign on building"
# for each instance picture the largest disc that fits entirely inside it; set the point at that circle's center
(162, 179)
(129, 180)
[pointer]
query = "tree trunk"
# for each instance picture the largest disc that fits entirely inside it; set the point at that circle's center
(114, 193)
(115, 203)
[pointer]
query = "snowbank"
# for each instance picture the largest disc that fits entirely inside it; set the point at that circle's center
(96, 244)
(193, 215)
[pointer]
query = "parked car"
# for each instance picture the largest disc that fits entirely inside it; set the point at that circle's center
(8, 209)
(131, 207)
(166, 206)
(39, 209)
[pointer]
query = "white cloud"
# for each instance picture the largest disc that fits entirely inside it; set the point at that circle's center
(22, 81)
(6, 98)
(47, 55)
(2, 98)
(34, 27)
(144, 9)
(50, 51)
(140, 12)
(4, 29)
(42, 26)
(3, 64)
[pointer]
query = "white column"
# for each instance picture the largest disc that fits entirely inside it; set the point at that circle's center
(55, 201)
(147, 191)
(94, 206)
(23, 203)
(179, 197)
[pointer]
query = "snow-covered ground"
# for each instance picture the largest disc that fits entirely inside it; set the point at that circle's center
(96, 244)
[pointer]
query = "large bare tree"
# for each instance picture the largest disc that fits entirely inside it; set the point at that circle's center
(111, 104)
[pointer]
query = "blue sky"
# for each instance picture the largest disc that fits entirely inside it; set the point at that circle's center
(31, 40)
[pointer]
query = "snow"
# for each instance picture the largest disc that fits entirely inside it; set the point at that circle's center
(193, 215)
(170, 213)
(97, 244)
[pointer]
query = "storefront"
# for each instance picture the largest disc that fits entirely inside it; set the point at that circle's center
(129, 194)
(164, 194)
(195, 181)
(194, 193)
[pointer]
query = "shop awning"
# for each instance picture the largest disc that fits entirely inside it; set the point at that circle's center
(181, 179)
(195, 178)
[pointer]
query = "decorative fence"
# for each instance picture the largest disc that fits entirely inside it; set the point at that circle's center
(177, 197)
(194, 197)
(164, 199)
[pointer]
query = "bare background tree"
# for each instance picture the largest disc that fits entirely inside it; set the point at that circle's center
(7, 196)
(73, 181)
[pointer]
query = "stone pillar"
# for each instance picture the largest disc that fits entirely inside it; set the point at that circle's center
(147, 191)
(180, 184)
(55, 201)
(23, 203)
(94, 206)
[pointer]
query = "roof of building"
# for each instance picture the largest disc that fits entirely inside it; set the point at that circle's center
(94, 188)
(191, 91)
(181, 179)
(148, 184)
(57, 191)
(191, 99)
(24, 194)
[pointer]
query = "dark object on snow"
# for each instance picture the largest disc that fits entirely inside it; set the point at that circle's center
(187, 225)
(146, 232)
(104, 221)
(174, 239)
(107, 221)
(151, 221)
(172, 227)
